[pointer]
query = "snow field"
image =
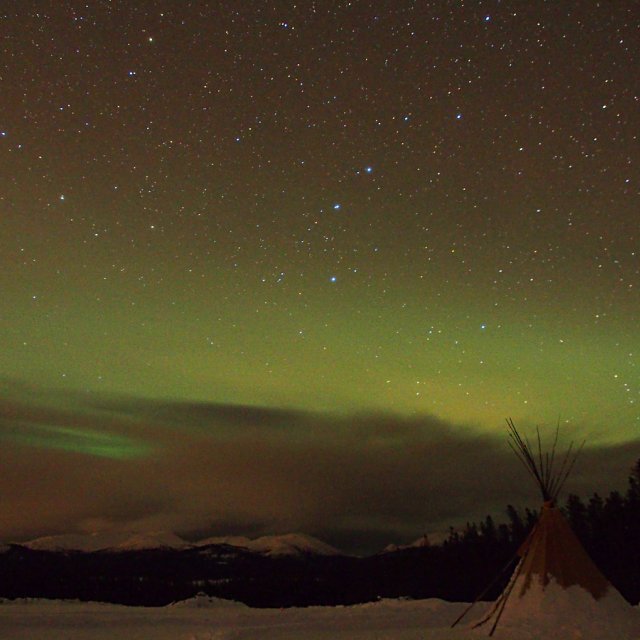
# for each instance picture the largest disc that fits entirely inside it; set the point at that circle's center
(204, 618)
(211, 619)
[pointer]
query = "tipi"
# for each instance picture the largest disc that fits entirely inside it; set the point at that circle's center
(556, 591)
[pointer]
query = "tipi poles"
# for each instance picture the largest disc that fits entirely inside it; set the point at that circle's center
(485, 591)
(501, 602)
(540, 466)
(523, 452)
(499, 605)
(566, 469)
(507, 594)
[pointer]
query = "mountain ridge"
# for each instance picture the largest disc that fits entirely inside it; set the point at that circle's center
(271, 545)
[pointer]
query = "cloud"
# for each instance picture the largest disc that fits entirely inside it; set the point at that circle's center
(73, 462)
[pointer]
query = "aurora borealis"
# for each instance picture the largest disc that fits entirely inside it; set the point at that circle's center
(427, 210)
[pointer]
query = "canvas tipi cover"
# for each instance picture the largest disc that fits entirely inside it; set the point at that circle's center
(552, 551)
(556, 590)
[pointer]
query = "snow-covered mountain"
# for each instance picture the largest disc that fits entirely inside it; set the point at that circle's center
(115, 541)
(162, 539)
(290, 544)
(422, 541)
(283, 545)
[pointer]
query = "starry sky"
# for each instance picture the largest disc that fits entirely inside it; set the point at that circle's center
(420, 210)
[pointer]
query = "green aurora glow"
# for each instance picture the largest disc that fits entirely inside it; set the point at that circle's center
(170, 228)
(86, 442)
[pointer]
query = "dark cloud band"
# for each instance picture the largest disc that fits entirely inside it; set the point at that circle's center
(73, 463)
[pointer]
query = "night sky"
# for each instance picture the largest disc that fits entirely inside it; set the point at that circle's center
(420, 214)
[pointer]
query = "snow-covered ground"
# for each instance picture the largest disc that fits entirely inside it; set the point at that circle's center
(209, 619)
(203, 618)
(567, 613)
